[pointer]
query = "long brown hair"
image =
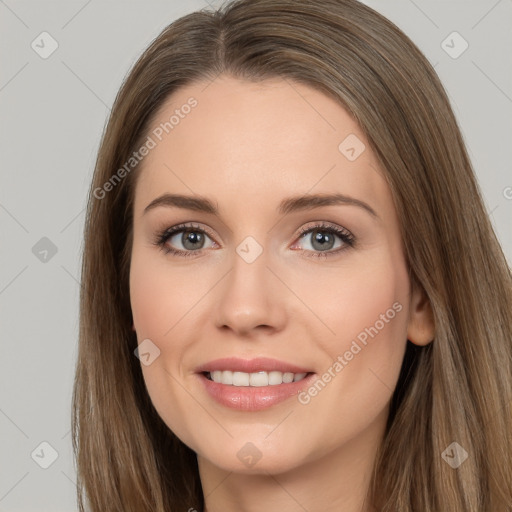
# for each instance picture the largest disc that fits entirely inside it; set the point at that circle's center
(456, 389)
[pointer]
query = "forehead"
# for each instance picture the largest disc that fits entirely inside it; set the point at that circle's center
(236, 140)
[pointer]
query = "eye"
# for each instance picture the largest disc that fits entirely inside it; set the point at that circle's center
(324, 240)
(191, 237)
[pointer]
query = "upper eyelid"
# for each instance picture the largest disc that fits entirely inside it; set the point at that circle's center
(183, 227)
(324, 225)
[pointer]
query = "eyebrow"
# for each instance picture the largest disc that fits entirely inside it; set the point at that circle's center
(286, 206)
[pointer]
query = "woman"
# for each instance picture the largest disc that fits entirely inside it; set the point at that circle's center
(292, 297)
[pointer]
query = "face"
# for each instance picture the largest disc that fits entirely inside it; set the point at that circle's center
(306, 302)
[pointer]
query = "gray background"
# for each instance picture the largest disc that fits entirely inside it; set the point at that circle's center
(52, 115)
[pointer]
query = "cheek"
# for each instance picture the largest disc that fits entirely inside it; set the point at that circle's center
(366, 294)
(148, 300)
(159, 298)
(373, 325)
(373, 305)
(156, 308)
(367, 310)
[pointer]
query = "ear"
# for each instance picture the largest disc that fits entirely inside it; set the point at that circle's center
(421, 326)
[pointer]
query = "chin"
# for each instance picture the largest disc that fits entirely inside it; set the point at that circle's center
(251, 461)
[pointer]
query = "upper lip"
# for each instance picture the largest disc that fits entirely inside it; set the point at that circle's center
(259, 364)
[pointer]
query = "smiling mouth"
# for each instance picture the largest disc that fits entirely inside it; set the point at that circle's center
(256, 379)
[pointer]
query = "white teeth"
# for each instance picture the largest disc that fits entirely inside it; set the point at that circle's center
(287, 378)
(275, 378)
(240, 379)
(258, 379)
(226, 377)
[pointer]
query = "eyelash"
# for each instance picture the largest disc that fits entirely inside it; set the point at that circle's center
(163, 236)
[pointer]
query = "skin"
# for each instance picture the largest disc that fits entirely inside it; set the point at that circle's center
(247, 146)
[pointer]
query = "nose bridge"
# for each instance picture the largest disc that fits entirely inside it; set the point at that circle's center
(248, 280)
(249, 298)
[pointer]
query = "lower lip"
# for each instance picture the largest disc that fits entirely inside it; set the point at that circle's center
(252, 398)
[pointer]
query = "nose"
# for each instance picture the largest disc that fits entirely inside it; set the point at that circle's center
(251, 298)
